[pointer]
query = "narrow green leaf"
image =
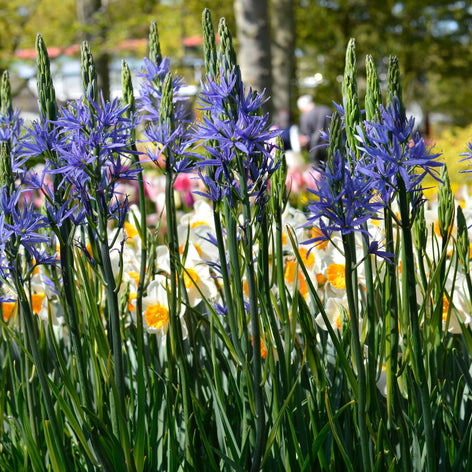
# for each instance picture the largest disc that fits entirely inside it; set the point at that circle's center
(334, 430)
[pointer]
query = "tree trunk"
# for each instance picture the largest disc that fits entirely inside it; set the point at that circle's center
(283, 55)
(253, 34)
(95, 33)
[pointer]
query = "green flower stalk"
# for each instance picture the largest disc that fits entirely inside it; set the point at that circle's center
(7, 180)
(349, 250)
(254, 313)
(226, 60)
(373, 96)
(46, 92)
(154, 44)
(48, 111)
(236, 176)
(420, 236)
(411, 319)
(445, 205)
(463, 243)
(279, 201)
(227, 54)
(373, 100)
(128, 99)
(335, 137)
(352, 110)
(5, 95)
(176, 285)
(394, 88)
(100, 227)
(89, 73)
(166, 117)
(446, 220)
(352, 119)
(211, 67)
(209, 44)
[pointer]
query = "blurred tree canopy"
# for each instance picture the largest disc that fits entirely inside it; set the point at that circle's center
(432, 40)
(21, 20)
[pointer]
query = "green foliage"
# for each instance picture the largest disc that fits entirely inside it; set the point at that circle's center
(436, 58)
(55, 20)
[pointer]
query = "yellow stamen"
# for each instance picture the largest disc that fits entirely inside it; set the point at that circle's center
(130, 230)
(445, 308)
(307, 258)
(135, 276)
(284, 238)
(263, 348)
(156, 316)
(8, 310)
(321, 279)
(190, 277)
(291, 272)
(338, 321)
(132, 296)
(37, 301)
(198, 223)
(336, 275)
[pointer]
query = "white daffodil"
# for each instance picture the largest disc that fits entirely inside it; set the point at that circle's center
(156, 307)
(202, 215)
(199, 282)
(336, 311)
(200, 237)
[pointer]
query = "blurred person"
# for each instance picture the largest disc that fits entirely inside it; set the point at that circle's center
(313, 119)
(290, 137)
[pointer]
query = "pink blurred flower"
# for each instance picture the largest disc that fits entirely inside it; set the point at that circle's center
(183, 183)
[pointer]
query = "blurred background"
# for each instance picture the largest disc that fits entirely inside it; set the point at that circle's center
(288, 47)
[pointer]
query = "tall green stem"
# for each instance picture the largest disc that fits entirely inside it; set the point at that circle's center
(128, 98)
(264, 284)
(235, 271)
(254, 312)
(371, 328)
(361, 378)
(391, 344)
(226, 284)
(113, 308)
(167, 115)
(408, 271)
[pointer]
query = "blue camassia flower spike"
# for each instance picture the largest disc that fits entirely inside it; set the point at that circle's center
(344, 199)
(391, 149)
(173, 140)
(231, 131)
